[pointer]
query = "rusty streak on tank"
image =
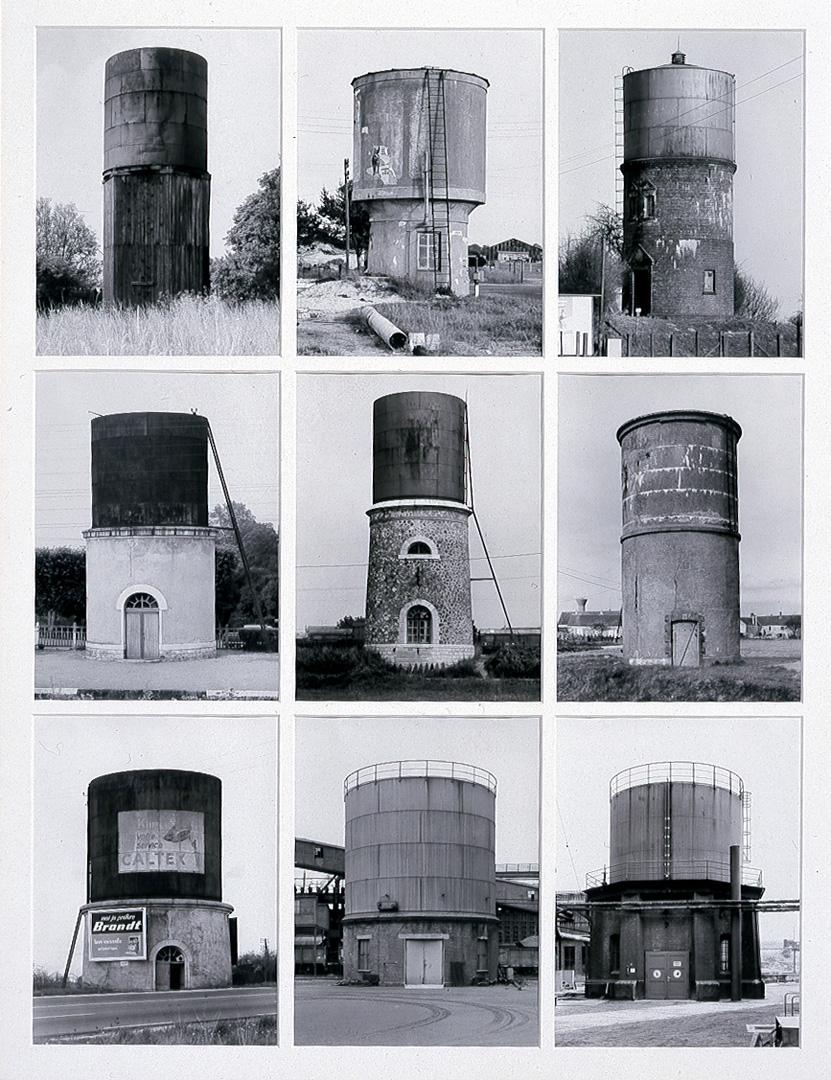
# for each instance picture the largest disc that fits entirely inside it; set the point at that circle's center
(680, 538)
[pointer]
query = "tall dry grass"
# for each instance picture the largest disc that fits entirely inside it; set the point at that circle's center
(184, 326)
(474, 326)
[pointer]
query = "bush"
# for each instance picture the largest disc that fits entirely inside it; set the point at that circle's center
(462, 669)
(514, 662)
(327, 665)
(252, 969)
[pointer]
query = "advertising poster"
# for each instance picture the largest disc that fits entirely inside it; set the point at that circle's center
(153, 840)
(118, 935)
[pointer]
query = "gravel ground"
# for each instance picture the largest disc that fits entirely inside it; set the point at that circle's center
(231, 673)
(325, 299)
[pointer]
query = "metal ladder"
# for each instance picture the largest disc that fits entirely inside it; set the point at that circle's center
(437, 174)
(619, 142)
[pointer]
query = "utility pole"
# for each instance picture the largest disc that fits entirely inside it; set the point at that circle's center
(346, 207)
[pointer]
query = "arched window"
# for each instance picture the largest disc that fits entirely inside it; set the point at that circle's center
(170, 968)
(419, 625)
(140, 601)
(418, 547)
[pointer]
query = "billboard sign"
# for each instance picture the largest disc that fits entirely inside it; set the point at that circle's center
(150, 841)
(117, 934)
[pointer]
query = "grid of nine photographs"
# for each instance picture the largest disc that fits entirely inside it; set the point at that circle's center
(417, 630)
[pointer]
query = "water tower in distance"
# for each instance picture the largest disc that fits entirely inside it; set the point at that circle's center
(418, 607)
(667, 924)
(680, 538)
(419, 150)
(420, 874)
(156, 184)
(678, 166)
(150, 551)
(155, 919)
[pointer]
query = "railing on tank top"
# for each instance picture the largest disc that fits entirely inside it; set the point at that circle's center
(679, 870)
(401, 770)
(676, 772)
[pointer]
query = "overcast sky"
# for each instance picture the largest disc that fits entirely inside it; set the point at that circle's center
(768, 184)
(354, 742)
(765, 752)
(243, 112)
(511, 61)
(69, 752)
(334, 490)
(769, 410)
(246, 433)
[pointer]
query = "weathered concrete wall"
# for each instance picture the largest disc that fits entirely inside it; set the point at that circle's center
(396, 581)
(387, 947)
(198, 928)
(175, 565)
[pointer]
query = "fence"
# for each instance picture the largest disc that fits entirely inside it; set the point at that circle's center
(60, 637)
(705, 343)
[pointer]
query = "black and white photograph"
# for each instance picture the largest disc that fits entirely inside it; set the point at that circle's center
(156, 560)
(680, 538)
(420, 192)
(417, 881)
(158, 191)
(419, 537)
(678, 881)
(681, 180)
(155, 888)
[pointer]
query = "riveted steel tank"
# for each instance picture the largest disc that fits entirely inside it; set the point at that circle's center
(156, 183)
(418, 447)
(419, 153)
(149, 469)
(155, 833)
(674, 820)
(678, 166)
(420, 863)
(680, 538)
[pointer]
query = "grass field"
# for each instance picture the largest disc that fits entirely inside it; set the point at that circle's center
(421, 688)
(186, 326)
(594, 676)
(248, 1031)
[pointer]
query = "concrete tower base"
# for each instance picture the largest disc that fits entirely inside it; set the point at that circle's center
(195, 930)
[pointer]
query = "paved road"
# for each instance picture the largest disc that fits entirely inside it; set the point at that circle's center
(329, 1015)
(68, 1014)
(526, 288)
(59, 669)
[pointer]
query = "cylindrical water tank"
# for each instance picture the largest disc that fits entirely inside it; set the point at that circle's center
(155, 833)
(418, 447)
(156, 109)
(678, 111)
(420, 840)
(401, 115)
(674, 821)
(149, 469)
(680, 538)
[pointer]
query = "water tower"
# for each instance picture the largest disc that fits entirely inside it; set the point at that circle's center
(419, 148)
(418, 608)
(678, 166)
(156, 184)
(680, 539)
(420, 874)
(150, 551)
(678, 830)
(155, 919)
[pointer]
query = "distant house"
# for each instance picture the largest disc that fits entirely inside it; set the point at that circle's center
(605, 625)
(771, 626)
(513, 250)
(572, 935)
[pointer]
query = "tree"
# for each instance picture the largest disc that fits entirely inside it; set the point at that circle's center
(66, 249)
(251, 269)
(751, 300)
(61, 583)
(308, 224)
(331, 213)
(261, 549)
(590, 261)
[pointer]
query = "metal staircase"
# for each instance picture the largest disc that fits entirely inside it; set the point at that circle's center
(436, 175)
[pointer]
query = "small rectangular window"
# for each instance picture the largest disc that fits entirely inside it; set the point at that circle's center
(648, 205)
(482, 954)
(363, 954)
(614, 952)
(724, 954)
(568, 957)
(709, 281)
(429, 251)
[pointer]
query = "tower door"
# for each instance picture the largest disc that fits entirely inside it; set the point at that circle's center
(686, 643)
(667, 975)
(170, 968)
(642, 290)
(424, 962)
(141, 627)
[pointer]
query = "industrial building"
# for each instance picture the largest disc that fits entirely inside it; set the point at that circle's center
(156, 183)
(154, 917)
(150, 560)
(680, 538)
(418, 605)
(678, 166)
(673, 914)
(419, 150)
